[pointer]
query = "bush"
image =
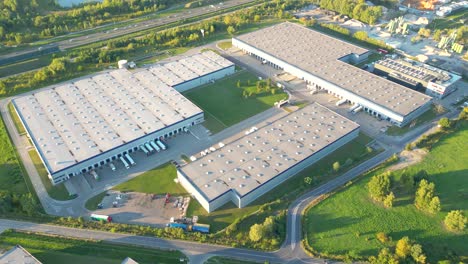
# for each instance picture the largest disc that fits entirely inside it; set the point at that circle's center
(455, 220)
(382, 237)
(444, 123)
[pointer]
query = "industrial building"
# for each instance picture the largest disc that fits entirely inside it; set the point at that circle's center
(324, 63)
(436, 82)
(82, 125)
(251, 165)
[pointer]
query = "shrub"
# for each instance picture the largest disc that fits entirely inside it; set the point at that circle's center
(455, 220)
(379, 186)
(382, 237)
(388, 201)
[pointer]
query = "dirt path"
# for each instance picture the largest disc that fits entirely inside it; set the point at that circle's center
(409, 157)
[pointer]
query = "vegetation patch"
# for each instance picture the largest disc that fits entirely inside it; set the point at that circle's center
(57, 192)
(350, 224)
(233, 99)
(53, 249)
(225, 45)
(224, 260)
(159, 180)
(92, 203)
(16, 120)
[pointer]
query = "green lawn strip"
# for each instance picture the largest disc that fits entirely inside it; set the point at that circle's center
(159, 180)
(225, 45)
(224, 260)
(288, 191)
(11, 173)
(422, 119)
(14, 116)
(52, 249)
(93, 202)
(224, 101)
(24, 66)
(349, 220)
(57, 192)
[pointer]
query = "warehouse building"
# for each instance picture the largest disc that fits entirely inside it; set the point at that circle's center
(324, 63)
(246, 168)
(435, 82)
(82, 125)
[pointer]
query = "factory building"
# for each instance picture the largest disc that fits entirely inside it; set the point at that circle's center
(256, 162)
(435, 82)
(324, 63)
(82, 125)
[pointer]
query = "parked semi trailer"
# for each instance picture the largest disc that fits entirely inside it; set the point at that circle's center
(162, 145)
(155, 146)
(149, 148)
(132, 162)
(144, 150)
(104, 218)
(125, 163)
(95, 175)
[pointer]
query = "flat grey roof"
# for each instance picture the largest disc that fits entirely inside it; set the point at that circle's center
(78, 120)
(18, 255)
(255, 158)
(319, 55)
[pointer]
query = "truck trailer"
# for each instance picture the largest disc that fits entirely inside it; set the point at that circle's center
(155, 146)
(149, 148)
(103, 218)
(162, 145)
(95, 175)
(144, 150)
(132, 162)
(125, 163)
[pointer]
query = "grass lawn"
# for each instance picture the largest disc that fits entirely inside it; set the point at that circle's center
(159, 180)
(422, 119)
(454, 20)
(51, 250)
(11, 174)
(348, 221)
(223, 260)
(23, 66)
(224, 104)
(225, 45)
(57, 192)
(287, 192)
(19, 126)
(92, 203)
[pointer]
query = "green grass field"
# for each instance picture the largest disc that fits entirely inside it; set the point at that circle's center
(223, 103)
(225, 45)
(159, 180)
(92, 203)
(348, 221)
(24, 66)
(11, 174)
(51, 250)
(454, 20)
(19, 126)
(57, 192)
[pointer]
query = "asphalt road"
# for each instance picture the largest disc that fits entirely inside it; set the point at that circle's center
(145, 25)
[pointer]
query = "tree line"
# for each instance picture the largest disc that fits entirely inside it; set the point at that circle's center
(354, 9)
(48, 20)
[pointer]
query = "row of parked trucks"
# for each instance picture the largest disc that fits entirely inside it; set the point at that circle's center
(153, 146)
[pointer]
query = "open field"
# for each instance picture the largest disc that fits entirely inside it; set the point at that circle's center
(422, 119)
(159, 180)
(50, 250)
(57, 192)
(347, 222)
(11, 174)
(224, 104)
(222, 260)
(454, 20)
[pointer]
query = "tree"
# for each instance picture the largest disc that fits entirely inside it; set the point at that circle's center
(417, 254)
(455, 220)
(425, 199)
(379, 186)
(308, 180)
(231, 30)
(256, 232)
(57, 65)
(444, 123)
(403, 247)
(388, 201)
(257, 18)
(384, 257)
(464, 113)
(336, 166)
(269, 226)
(382, 237)
(424, 32)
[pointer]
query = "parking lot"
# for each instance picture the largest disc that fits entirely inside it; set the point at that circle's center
(141, 208)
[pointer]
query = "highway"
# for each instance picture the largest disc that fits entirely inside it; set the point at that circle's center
(137, 27)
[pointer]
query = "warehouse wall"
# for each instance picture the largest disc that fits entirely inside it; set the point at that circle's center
(64, 174)
(205, 79)
(264, 188)
(396, 118)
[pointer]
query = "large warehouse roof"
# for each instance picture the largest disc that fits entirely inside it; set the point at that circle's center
(256, 158)
(319, 55)
(78, 120)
